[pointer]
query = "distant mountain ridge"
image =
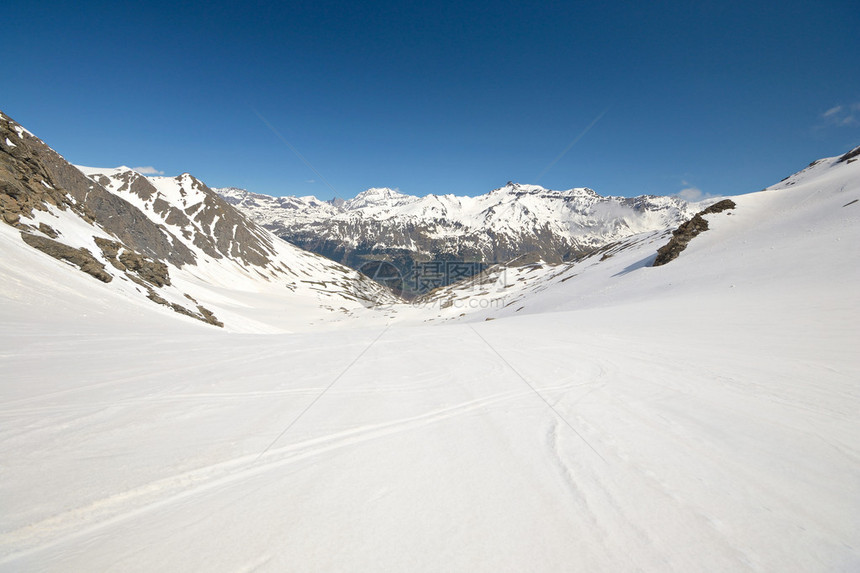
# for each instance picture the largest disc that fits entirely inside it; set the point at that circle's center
(517, 222)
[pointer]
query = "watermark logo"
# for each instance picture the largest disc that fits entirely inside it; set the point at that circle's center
(386, 274)
(430, 275)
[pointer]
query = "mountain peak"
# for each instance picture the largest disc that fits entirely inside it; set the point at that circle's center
(380, 192)
(379, 197)
(511, 187)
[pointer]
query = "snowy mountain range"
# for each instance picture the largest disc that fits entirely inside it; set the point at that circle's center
(519, 223)
(764, 242)
(166, 240)
(595, 414)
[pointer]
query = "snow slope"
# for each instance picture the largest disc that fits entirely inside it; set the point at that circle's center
(700, 416)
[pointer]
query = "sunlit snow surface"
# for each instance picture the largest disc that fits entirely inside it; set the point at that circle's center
(701, 416)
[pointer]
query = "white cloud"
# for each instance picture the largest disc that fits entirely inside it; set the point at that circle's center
(311, 181)
(841, 115)
(692, 193)
(833, 110)
(148, 170)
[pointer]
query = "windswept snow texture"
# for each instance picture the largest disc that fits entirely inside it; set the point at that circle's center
(700, 416)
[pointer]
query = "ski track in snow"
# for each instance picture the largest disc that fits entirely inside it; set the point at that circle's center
(598, 396)
(127, 505)
(720, 393)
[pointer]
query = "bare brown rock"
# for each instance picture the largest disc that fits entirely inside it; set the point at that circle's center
(203, 314)
(685, 233)
(48, 230)
(33, 176)
(81, 258)
(153, 272)
(850, 156)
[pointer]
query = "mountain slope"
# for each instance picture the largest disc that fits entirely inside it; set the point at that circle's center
(516, 222)
(789, 244)
(695, 416)
(172, 241)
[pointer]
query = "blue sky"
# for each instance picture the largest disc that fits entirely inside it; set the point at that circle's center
(446, 97)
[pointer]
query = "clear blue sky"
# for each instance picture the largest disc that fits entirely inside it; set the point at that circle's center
(441, 97)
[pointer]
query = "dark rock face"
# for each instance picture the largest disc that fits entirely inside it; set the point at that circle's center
(203, 314)
(81, 258)
(153, 272)
(682, 236)
(229, 233)
(48, 230)
(208, 316)
(146, 272)
(32, 176)
(206, 220)
(719, 207)
(850, 156)
(110, 250)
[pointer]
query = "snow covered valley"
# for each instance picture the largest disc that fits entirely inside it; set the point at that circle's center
(700, 416)
(665, 439)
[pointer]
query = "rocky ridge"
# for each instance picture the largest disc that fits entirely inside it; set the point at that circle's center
(117, 224)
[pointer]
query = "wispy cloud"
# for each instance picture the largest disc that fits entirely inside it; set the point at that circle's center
(842, 115)
(692, 193)
(311, 181)
(148, 170)
(832, 111)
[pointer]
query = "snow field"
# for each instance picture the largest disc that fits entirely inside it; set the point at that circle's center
(701, 416)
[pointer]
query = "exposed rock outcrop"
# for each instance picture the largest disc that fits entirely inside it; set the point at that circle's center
(153, 272)
(685, 233)
(48, 230)
(189, 207)
(202, 314)
(81, 258)
(850, 156)
(110, 250)
(34, 176)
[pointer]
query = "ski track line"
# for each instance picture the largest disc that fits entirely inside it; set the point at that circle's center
(120, 507)
(577, 494)
(692, 439)
(604, 496)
